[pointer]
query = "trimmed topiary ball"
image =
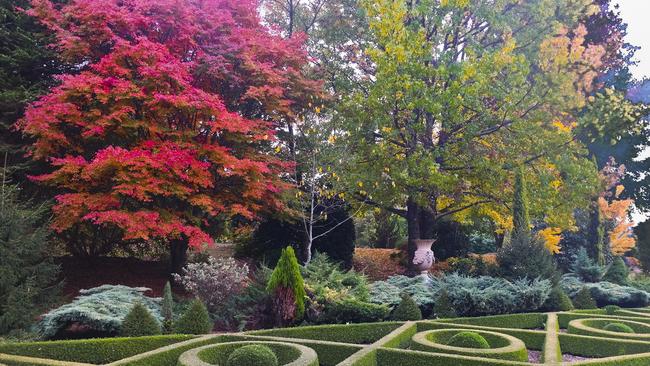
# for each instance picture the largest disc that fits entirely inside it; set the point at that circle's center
(139, 322)
(611, 309)
(252, 355)
(407, 310)
(618, 327)
(195, 320)
(468, 340)
(584, 300)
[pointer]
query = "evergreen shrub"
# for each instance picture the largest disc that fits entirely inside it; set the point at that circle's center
(195, 320)
(139, 322)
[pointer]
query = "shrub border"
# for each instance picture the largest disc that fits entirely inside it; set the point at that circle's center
(514, 351)
(308, 356)
(581, 327)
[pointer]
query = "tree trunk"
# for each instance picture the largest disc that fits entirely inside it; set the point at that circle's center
(413, 229)
(421, 225)
(306, 252)
(177, 255)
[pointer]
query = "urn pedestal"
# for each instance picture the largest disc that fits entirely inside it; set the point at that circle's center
(423, 258)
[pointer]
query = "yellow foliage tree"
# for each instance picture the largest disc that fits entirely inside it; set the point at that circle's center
(551, 237)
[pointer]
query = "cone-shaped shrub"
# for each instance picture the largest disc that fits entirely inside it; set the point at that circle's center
(617, 272)
(584, 300)
(558, 300)
(443, 307)
(468, 340)
(167, 308)
(139, 322)
(253, 355)
(611, 309)
(287, 288)
(195, 320)
(407, 310)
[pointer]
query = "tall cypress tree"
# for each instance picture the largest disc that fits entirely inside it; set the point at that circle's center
(520, 216)
(526, 256)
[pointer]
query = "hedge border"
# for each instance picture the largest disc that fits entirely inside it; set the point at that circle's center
(86, 351)
(582, 327)
(307, 357)
(515, 350)
(329, 353)
(388, 349)
(357, 333)
(534, 339)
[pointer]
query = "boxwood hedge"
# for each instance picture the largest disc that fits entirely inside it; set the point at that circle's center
(95, 351)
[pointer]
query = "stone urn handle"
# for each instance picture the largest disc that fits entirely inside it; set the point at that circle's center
(423, 257)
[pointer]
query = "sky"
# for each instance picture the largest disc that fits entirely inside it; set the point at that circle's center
(636, 14)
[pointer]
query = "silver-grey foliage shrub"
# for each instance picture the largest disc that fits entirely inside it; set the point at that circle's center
(100, 309)
(606, 293)
(484, 295)
(469, 296)
(390, 292)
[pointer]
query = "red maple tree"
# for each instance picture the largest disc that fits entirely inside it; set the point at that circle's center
(168, 124)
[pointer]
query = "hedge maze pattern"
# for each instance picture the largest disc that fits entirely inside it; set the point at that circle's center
(566, 338)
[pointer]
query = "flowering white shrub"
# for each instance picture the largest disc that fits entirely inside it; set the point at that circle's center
(214, 282)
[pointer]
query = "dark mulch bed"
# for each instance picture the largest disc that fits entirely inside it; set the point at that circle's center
(534, 356)
(81, 273)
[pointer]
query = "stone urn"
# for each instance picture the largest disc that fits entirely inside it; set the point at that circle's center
(423, 258)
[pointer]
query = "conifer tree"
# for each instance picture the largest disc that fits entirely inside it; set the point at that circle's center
(526, 255)
(195, 320)
(27, 273)
(139, 322)
(287, 288)
(167, 307)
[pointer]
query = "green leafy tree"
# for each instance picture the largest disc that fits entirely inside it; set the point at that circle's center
(459, 94)
(520, 215)
(27, 272)
(287, 288)
(139, 322)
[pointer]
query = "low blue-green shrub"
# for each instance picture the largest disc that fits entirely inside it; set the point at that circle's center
(100, 309)
(607, 293)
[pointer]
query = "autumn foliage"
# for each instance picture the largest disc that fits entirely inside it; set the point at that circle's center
(168, 122)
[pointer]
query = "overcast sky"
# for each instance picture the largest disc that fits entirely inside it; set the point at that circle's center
(636, 13)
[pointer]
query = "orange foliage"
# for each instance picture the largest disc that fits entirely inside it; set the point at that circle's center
(621, 238)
